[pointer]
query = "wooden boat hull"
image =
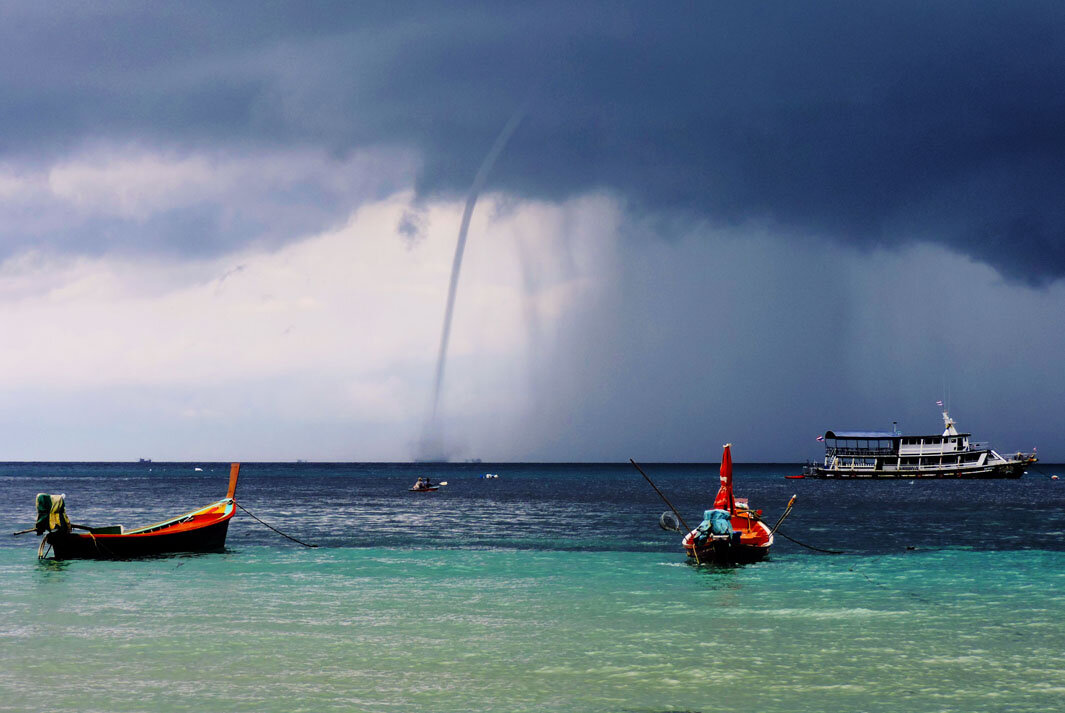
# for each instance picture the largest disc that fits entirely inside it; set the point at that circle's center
(202, 530)
(750, 542)
(727, 554)
(209, 538)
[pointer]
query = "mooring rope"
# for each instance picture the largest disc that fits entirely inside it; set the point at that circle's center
(42, 549)
(271, 526)
(810, 547)
(1041, 471)
(777, 531)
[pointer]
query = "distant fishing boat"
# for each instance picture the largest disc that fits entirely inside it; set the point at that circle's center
(890, 454)
(202, 530)
(730, 533)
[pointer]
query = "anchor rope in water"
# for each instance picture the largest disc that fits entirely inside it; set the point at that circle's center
(271, 526)
(810, 547)
(1041, 471)
(778, 531)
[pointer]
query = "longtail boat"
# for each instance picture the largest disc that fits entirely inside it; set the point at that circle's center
(202, 530)
(730, 533)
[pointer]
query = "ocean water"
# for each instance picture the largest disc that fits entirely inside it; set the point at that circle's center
(549, 589)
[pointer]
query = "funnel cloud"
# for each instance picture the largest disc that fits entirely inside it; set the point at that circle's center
(433, 441)
(733, 219)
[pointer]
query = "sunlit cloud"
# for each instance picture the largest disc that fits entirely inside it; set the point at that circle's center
(351, 314)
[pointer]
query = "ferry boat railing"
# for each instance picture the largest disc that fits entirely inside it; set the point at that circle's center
(849, 451)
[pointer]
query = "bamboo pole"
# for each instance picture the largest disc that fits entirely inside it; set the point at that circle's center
(666, 501)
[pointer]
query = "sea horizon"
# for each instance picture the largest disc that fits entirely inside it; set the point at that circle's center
(551, 588)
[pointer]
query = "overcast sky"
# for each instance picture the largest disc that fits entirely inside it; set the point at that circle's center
(226, 229)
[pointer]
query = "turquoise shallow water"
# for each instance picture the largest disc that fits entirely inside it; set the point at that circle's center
(262, 628)
(549, 589)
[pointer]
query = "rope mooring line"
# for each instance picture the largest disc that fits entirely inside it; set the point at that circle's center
(1041, 471)
(266, 524)
(810, 547)
(777, 531)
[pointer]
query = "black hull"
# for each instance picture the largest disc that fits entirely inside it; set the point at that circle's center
(727, 554)
(211, 538)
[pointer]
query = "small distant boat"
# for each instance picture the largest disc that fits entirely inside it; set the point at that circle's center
(794, 477)
(145, 460)
(425, 485)
(730, 533)
(202, 530)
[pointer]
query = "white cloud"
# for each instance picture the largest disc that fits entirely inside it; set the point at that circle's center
(137, 200)
(136, 183)
(351, 316)
(577, 335)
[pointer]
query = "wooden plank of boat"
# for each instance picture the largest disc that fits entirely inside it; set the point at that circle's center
(202, 530)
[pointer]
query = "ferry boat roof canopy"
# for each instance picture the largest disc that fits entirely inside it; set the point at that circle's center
(861, 434)
(884, 435)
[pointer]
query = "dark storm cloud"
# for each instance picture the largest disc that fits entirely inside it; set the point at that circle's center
(868, 123)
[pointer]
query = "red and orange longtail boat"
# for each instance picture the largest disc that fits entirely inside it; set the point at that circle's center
(202, 530)
(730, 533)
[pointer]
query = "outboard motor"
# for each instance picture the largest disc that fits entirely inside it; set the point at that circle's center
(51, 518)
(51, 514)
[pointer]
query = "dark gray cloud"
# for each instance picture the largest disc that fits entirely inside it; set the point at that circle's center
(873, 124)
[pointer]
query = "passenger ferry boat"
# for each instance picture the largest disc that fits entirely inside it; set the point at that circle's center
(890, 454)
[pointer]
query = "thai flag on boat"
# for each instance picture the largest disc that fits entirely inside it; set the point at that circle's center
(820, 438)
(939, 403)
